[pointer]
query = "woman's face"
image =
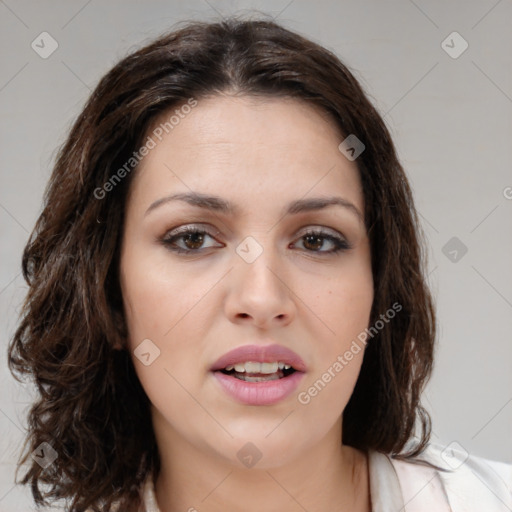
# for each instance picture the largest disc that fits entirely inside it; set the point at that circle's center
(251, 276)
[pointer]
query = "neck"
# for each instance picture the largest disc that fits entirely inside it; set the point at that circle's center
(326, 476)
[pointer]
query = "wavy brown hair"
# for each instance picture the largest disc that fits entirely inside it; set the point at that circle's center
(91, 407)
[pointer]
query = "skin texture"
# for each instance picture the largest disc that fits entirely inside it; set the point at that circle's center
(261, 154)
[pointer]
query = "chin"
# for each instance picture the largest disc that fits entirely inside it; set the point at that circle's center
(261, 450)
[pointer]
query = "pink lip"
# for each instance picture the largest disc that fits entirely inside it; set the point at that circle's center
(260, 354)
(259, 393)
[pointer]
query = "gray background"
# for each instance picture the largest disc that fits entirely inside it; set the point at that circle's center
(451, 119)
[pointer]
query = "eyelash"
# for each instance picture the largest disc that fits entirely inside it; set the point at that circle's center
(168, 241)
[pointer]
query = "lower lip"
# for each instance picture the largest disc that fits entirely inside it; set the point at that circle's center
(259, 393)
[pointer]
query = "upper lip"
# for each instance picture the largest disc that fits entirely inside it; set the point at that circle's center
(261, 354)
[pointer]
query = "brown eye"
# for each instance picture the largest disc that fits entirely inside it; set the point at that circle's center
(192, 239)
(315, 240)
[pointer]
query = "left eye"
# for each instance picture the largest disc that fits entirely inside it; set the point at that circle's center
(317, 238)
(193, 239)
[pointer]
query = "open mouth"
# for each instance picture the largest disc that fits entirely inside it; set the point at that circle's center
(259, 372)
(259, 383)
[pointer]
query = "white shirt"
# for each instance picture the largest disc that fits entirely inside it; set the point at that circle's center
(472, 484)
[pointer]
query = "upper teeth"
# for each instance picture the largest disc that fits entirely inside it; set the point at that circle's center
(254, 367)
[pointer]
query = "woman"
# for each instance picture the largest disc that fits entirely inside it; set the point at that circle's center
(226, 307)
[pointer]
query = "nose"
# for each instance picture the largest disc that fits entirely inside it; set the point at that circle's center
(259, 293)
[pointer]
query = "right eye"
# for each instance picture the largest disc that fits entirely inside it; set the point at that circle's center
(192, 238)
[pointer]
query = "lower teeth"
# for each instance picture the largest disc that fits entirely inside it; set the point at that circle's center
(247, 378)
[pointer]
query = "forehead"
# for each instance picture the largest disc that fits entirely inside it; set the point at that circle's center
(264, 145)
(251, 120)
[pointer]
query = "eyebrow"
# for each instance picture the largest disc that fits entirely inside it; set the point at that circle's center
(218, 204)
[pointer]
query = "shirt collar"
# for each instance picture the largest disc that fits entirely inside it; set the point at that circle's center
(385, 490)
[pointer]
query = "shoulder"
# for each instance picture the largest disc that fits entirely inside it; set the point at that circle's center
(464, 482)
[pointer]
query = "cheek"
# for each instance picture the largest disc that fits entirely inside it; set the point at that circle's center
(339, 354)
(164, 308)
(160, 305)
(157, 296)
(344, 307)
(348, 302)
(341, 306)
